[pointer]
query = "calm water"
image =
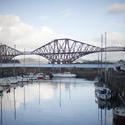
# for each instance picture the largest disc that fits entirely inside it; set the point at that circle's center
(55, 102)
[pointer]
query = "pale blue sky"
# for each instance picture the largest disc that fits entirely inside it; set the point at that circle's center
(79, 19)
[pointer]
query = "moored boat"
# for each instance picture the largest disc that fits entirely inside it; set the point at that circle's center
(103, 93)
(64, 75)
(5, 81)
(32, 77)
(119, 115)
(13, 80)
(23, 78)
(40, 76)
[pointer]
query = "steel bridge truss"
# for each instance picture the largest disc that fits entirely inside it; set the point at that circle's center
(57, 51)
(7, 53)
(65, 50)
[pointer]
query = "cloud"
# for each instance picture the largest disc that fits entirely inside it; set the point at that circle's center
(117, 8)
(14, 31)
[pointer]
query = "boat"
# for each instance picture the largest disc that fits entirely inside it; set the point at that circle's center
(5, 81)
(23, 78)
(40, 76)
(32, 77)
(103, 93)
(64, 75)
(8, 80)
(19, 78)
(119, 115)
(13, 80)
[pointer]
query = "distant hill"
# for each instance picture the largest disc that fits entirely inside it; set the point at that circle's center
(92, 62)
(31, 60)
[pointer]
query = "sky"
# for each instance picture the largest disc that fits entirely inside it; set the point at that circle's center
(31, 23)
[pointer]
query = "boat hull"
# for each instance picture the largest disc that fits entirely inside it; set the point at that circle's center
(118, 119)
(119, 115)
(101, 94)
(41, 78)
(61, 75)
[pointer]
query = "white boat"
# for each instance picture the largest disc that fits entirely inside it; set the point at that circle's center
(103, 93)
(64, 75)
(8, 81)
(23, 78)
(13, 80)
(119, 114)
(47, 77)
(5, 81)
(32, 76)
(19, 78)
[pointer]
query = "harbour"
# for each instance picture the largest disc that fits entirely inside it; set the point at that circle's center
(52, 101)
(58, 98)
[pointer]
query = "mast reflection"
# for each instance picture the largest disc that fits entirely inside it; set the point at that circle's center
(14, 96)
(1, 118)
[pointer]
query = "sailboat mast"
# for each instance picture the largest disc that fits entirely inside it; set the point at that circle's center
(24, 61)
(14, 63)
(105, 54)
(101, 52)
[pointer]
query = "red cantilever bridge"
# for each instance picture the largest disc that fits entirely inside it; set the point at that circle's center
(58, 50)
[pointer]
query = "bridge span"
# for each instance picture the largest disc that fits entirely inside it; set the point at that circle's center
(59, 50)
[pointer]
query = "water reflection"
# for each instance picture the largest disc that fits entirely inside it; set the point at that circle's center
(1, 118)
(55, 102)
(14, 96)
